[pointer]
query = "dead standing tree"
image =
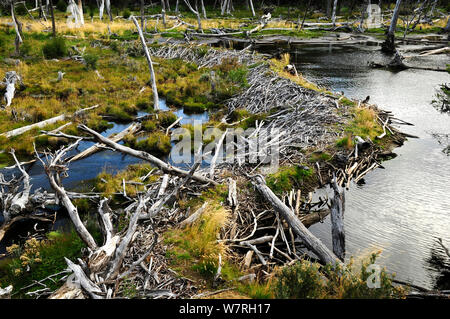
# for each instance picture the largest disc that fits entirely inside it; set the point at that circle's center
(337, 220)
(17, 27)
(197, 13)
(150, 64)
(388, 46)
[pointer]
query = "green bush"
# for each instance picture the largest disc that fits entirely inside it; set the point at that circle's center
(166, 118)
(61, 6)
(55, 48)
(310, 280)
(126, 13)
(25, 48)
(287, 178)
(20, 10)
(157, 143)
(238, 76)
(91, 61)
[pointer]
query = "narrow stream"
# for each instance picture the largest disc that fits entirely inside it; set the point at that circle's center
(403, 208)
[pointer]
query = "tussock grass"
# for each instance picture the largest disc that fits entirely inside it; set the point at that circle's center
(111, 184)
(195, 248)
(278, 65)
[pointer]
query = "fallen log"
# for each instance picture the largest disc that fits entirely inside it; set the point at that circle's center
(53, 168)
(310, 241)
(62, 117)
(314, 217)
(192, 218)
(145, 156)
(436, 51)
(133, 128)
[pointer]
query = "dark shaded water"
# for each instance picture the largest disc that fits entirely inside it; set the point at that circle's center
(403, 208)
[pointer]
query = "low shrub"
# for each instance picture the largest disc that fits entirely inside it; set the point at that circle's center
(55, 48)
(91, 61)
(126, 13)
(306, 279)
(61, 6)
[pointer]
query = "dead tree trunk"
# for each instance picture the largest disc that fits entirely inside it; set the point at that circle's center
(132, 129)
(163, 12)
(101, 8)
(145, 156)
(53, 19)
(304, 16)
(11, 78)
(388, 46)
(252, 8)
(203, 9)
(337, 221)
(310, 241)
(150, 65)
(53, 170)
(142, 14)
(80, 12)
(333, 16)
(108, 10)
(18, 28)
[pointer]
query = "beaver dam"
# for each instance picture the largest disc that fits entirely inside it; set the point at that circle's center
(154, 154)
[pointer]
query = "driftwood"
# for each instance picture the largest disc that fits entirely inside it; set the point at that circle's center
(5, 293)
(133, 128)
(145, 156)
(314, 244)
(195, 216)
(54, 168)
(44, 123)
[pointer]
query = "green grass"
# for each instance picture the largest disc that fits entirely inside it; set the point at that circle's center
(287, 178)
(50, 260)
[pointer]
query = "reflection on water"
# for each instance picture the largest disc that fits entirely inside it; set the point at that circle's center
(439, 262)
(402, 208)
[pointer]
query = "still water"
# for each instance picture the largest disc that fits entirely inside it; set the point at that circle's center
(405, 207)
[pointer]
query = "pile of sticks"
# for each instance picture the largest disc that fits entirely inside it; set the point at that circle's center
(202, 55)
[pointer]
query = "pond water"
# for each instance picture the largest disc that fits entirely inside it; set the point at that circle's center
(84, 170)
(405, 207)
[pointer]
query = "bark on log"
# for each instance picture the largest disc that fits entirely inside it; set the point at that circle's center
(310, 241)
(314, 217)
